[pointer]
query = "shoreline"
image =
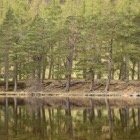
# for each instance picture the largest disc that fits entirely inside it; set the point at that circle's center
(47, 94)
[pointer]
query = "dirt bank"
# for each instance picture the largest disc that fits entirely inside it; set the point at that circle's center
(81, 86)
(77, 86)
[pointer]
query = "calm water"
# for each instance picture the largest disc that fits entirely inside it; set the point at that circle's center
(36, 121)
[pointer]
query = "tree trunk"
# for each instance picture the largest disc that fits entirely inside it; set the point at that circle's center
(99, 113)
(68, 82)
(58, 75)
(122, 74)
(43, 73)
(127, 67)
(39, 72)
(113, 115)
(20, 76)
(99, 75)
(109, 67)
(84, 73)
(53, 76)
(33, 74)
(133, 71)
(7, 69)
(138, 70)
(15, 76)
(112, 73)
(92, 79)
(51, 63)
(50, 69)
(69, 68)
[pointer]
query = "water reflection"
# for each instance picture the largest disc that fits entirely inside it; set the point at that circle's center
(38, 122)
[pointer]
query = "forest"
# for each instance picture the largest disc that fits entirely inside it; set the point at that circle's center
(69, 39)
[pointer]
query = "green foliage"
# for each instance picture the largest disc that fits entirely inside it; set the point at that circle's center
(40, 34)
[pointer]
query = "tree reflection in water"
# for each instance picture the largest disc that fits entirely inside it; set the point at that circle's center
(37, 122)
(6, 118)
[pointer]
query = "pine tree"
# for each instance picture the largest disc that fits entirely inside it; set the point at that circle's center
(8, 34)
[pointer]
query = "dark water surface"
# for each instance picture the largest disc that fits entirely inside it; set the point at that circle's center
(33, 119)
